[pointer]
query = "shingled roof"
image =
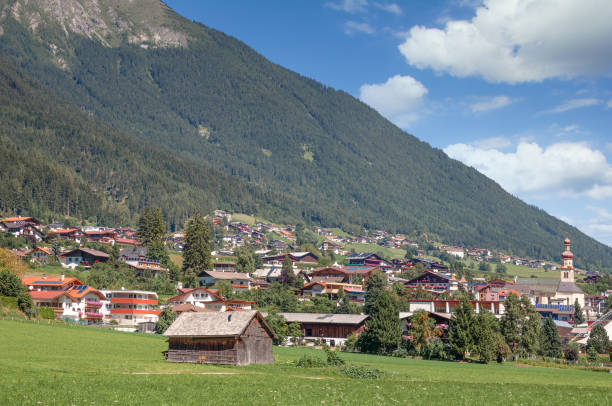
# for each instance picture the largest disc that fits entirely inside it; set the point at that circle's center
(218, 324)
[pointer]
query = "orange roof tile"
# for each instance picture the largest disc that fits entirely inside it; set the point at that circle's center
(49, 281)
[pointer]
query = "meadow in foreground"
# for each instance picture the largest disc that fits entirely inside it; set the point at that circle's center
(58, 364)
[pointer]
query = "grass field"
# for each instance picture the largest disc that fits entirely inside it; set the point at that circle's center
(387, 252)
(45, 364)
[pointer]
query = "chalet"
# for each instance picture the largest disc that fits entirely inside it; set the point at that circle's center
(430, 264)
(272, 273)
(435, 282)
(295, 257)
(239, 281)
(331, 246)
(198, 297)
(333, 329)
(370, 259)
(455, 251)
(40, 254)
(355, 293)
(69, 297)
(346, 274)
(82, 257)
(232, 338)
(72, 234)
(145, 267)
(139, 252)
(224, 266)
(187, 308)
(449, 306)
(27, 227)
(102, 236)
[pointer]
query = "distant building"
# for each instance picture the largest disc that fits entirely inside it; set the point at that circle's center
(333, 329)
(131, 307)
(84, 257)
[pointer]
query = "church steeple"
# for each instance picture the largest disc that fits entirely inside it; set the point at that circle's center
(567, 270)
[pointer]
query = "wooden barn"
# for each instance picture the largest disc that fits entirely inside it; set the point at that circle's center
(232, 338)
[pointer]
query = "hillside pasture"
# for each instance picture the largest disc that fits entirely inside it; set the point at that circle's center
(62, 364)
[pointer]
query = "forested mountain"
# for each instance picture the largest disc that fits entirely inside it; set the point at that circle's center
(173, 99)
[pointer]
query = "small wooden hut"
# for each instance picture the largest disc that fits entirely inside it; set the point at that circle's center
(232, 338)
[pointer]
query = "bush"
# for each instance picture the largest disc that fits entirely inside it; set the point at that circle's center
(361, 372)
(46, 313)
(10, 284)
(591, 353)
(400, 353)
(333, 359)
(26, 305)
(571, 352)
(308, 361)
(435, 350)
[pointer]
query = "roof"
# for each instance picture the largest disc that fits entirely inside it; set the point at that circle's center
(49, 281)
(131, 252)
(94, 253)
(46, 294)
(323, 318)
(227, 275)
(568, 287)
(188, 307)
(15, 219)
(182, 295)
(80, 291)
(217, 324)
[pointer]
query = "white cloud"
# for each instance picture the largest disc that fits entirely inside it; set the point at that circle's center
(518, 41)
(492, 143)
(390, 7)
(492, 103)
(574, 104)
(609, 105)
(600, 226)
(559, 170)
(353, 27)
(573, 129)
(398, 99)
(349, 6)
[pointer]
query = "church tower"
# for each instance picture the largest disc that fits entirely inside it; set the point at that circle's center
(567, 270)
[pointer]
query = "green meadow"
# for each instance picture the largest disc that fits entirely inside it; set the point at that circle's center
(51, 364)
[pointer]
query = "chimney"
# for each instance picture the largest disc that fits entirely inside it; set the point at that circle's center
(44, 277)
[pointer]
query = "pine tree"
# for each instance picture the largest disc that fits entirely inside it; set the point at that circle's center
(485, 328)
(287, 277)
(578, 316)
(145, 223)
(530, 332)
(511, 322)
(598, 339)
(550, 340)
(376, 284)
(461, 326)
(245, 262)
(196, 251)
(383, 334)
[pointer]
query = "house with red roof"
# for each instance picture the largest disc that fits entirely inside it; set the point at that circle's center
(40, 254)
(27, 227)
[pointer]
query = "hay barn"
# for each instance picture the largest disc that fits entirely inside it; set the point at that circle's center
(231, 338)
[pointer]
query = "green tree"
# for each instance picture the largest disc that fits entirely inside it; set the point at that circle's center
(423, 330)
(166, 318)
(278, 297)
(485, 328)
(196, 251)
(10, 285)
(461, 326)
(190, 279)
(287, 277)
(383, 330)
(26, 305)
(145, 225)
(578, 316)
(501, 268)
(530, 332)
(550, 340)
(591, 354)
(245, 262)
(279, 324)
(511, 322)
(598, 339)
(224, 288)
(376, 284)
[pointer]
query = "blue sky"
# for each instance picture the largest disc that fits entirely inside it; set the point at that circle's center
(519, 89)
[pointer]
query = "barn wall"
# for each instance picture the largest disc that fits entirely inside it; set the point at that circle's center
(255, 346)
(203, 350)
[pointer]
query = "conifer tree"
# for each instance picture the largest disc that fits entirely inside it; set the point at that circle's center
(483, 334)
(461, 326)
(550, 340)
(245, 260)
(376, 284)
(287, 277)
(511, 322)
(383, 334)
(196, 251)
(598, 339)
(166, 318)
(578, 316)
(145, 223)
(530, 332)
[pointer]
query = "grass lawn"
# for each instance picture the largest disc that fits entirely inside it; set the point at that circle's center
(59, 364)
(387, 252)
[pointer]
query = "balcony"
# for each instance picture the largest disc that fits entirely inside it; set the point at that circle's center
(92, 303)
(91, 315)
(135, 311)
(133, 301)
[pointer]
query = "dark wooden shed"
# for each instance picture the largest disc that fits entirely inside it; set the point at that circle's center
(232, 338)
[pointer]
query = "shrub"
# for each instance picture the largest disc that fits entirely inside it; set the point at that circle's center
(10, 284)
(571, 352)
(26, 305)
(400, 353)
(333, 359)
(435, 350)
(308, 361)
(591, 353)
(361, 372)
(46, 313)
(9, 301)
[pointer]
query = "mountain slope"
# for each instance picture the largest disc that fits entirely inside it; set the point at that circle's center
(215, 102)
